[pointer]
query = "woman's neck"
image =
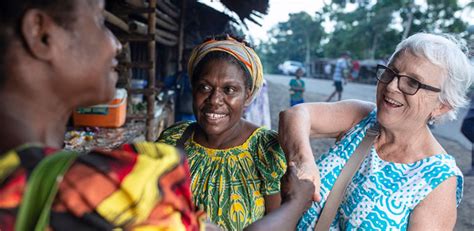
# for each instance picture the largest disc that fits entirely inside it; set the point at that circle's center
(232, 137)
(405, 146)
(25, 119)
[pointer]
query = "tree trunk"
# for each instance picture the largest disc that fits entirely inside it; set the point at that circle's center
(375, 44)
(409, 21)
(308, 57)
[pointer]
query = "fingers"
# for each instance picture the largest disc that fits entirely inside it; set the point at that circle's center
(317, 196)
(308, 171)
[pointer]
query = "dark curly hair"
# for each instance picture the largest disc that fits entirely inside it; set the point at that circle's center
(223, 56)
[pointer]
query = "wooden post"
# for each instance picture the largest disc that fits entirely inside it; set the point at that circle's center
(181, 40)
(150, 136)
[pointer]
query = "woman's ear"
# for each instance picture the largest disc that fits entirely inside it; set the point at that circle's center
(36, 30)
(441, 110)
(248, 97)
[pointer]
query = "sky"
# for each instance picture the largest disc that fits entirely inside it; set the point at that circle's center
(279, 11)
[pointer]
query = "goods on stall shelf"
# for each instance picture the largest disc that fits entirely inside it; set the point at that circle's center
(86, 138)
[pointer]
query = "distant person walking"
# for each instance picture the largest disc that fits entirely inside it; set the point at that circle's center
(467, 129)
(355, 69)
(297, 88)
(340, 72)
(327, 70)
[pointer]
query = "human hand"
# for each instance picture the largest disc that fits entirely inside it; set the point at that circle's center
(307, 170)
(299, 176)
(295, 189)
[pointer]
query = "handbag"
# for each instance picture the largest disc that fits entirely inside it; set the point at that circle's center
(41, 190)
(348, 171)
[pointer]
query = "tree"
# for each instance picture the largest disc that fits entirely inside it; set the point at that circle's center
(297, 39)
(370, 31)
(373, 30)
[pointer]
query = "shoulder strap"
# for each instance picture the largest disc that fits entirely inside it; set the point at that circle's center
(186, 134)
(41, 190)
(348, 171)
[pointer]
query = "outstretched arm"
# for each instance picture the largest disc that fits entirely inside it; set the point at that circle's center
(272, 202)
(318, 120)
(296, 193)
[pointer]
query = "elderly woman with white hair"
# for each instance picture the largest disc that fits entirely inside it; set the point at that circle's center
(400, 177)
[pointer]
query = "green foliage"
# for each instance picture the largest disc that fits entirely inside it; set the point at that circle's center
(370, 31)
(291, 39)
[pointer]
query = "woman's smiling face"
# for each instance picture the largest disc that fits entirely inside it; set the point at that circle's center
(219, 96)
(396, 109)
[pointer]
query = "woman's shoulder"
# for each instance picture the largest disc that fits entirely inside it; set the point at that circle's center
(360, 110)
(438, 168)
(266, 141)
(364, 118)
(429, 173)
(172, 134)
(264, 134)
(113, 172)
(179, 126)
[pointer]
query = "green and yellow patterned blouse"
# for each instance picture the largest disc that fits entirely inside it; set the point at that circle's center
(229, 184)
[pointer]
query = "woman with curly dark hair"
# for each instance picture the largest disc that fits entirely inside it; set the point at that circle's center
(236, 166)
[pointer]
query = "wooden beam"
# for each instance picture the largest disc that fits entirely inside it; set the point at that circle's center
(167, 9)
(142, 28)
(116, 21)
(163, 37)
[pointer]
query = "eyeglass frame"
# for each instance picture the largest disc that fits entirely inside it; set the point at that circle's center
(420, 85)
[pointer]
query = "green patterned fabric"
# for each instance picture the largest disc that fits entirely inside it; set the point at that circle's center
(229, 184)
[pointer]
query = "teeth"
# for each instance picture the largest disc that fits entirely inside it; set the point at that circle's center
(393, 101)
(215, 115)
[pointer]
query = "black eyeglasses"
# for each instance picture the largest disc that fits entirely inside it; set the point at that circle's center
(406, 84)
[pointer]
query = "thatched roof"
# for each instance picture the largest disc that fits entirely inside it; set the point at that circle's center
(202, 21)
(248, 9)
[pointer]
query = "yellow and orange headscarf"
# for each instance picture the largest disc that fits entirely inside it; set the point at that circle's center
(238, 50)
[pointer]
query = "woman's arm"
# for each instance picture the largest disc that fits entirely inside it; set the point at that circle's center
(272, 202)
(296, 194)
(303, 121)
(438, 210)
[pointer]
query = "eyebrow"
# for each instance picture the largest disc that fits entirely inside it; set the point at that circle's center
(229, 81)
(411, 75)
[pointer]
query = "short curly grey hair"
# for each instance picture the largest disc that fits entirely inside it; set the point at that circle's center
(449, 53)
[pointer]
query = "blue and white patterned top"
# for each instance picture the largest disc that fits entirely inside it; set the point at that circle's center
(381, 194)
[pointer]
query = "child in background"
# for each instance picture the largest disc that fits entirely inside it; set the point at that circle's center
(297, 88)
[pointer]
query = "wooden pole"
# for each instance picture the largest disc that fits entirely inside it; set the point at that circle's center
(163, 20)
(150, 136)
(181, 36)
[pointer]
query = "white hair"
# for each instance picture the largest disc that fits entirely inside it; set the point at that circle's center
(449, 53)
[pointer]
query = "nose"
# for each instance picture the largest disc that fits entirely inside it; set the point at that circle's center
(216, 97)
(116, 45)
(393, 85)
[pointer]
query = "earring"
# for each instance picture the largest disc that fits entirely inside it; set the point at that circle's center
(431, 121)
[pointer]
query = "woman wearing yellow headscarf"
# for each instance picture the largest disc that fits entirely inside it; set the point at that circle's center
(235, 165)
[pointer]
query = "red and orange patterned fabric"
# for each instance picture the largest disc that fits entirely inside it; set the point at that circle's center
(144, 186)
